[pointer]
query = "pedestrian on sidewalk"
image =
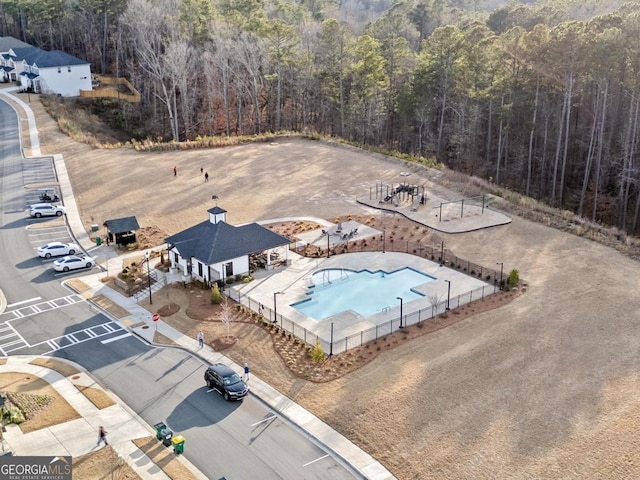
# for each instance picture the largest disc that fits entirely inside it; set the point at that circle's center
(201, 338)
(201, 170)
(175, 171)
(246, 372)
(206, 176)
(102, 436)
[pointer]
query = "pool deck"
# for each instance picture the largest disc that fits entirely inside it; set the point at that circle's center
(294, 280)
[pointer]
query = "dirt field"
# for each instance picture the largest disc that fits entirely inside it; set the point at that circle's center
(545, 387)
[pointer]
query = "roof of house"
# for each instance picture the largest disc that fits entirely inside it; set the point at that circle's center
(7, 43)
(44, 59)
(212, 243)
(122, 225)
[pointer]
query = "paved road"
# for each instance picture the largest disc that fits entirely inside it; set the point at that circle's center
(243, 440)
(239, 440)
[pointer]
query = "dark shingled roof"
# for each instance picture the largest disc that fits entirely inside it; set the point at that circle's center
(214, 243)
(122, 225)
(44, 59)
(9, 42)
(216, 210)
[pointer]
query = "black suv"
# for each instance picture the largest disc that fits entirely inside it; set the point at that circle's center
(227, 382)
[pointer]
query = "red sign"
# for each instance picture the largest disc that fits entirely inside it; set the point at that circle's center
(156, 317)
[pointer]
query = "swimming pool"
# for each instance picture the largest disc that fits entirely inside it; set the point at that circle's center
(365, 292)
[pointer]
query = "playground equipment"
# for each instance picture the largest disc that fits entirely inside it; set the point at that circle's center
(399, 194)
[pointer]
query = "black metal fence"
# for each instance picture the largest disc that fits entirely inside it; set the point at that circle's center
(334, 345)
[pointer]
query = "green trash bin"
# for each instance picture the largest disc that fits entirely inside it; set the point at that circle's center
(159, 428)
(98, 240)
(178, 444)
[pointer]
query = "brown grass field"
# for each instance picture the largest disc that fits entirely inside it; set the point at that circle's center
(547, 386)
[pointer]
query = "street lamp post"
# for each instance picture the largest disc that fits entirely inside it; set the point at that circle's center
(148, 256)
(501, 270)
(275, 306)
(400, 298)
(328, 245)
(448, 292)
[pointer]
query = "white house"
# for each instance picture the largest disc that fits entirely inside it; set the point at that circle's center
(40, 71)
(214, 250)
(7, 66)
(52, 72)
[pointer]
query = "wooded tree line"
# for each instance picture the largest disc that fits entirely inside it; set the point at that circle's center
(532, 97)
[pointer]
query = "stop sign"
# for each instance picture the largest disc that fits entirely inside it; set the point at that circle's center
(156, 317)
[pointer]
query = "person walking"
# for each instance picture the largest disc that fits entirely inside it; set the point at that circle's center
(206, 176)
(102, 436)
(201, 339)
(175, 171)
(201, 170)
(246, 371)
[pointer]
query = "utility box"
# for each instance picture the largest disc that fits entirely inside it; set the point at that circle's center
(178, 444)
(94, 227)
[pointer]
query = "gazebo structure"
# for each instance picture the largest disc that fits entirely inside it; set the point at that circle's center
(121, 231)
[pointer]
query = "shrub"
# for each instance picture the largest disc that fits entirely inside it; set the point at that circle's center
(13, 415)
(216, 296)
(238, 278)
(514, 278)
(229, 280)
(247, 279)
(317, 353)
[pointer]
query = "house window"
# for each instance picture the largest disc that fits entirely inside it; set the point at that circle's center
(175, 257)
(59, 70)
(199, 269)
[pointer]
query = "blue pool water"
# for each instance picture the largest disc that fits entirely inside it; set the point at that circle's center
(365, 292)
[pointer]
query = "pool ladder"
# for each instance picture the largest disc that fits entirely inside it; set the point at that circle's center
(326, 276)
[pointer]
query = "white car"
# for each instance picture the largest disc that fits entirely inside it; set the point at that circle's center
(56, 249)
(73, 262)
(46, 210)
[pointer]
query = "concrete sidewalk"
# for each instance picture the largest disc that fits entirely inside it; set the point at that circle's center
(78, 437)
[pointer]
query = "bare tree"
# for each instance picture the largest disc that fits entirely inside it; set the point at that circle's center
(148, 27)
(226, 315)
(435, 300)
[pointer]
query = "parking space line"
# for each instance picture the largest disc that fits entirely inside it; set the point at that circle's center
(34, 299)
(314, 461)
(265, 420)
(113, 339)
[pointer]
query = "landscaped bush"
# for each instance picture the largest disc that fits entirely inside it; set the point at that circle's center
(12, 415)
(317, 353)
(216, 296)
(513, 279)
